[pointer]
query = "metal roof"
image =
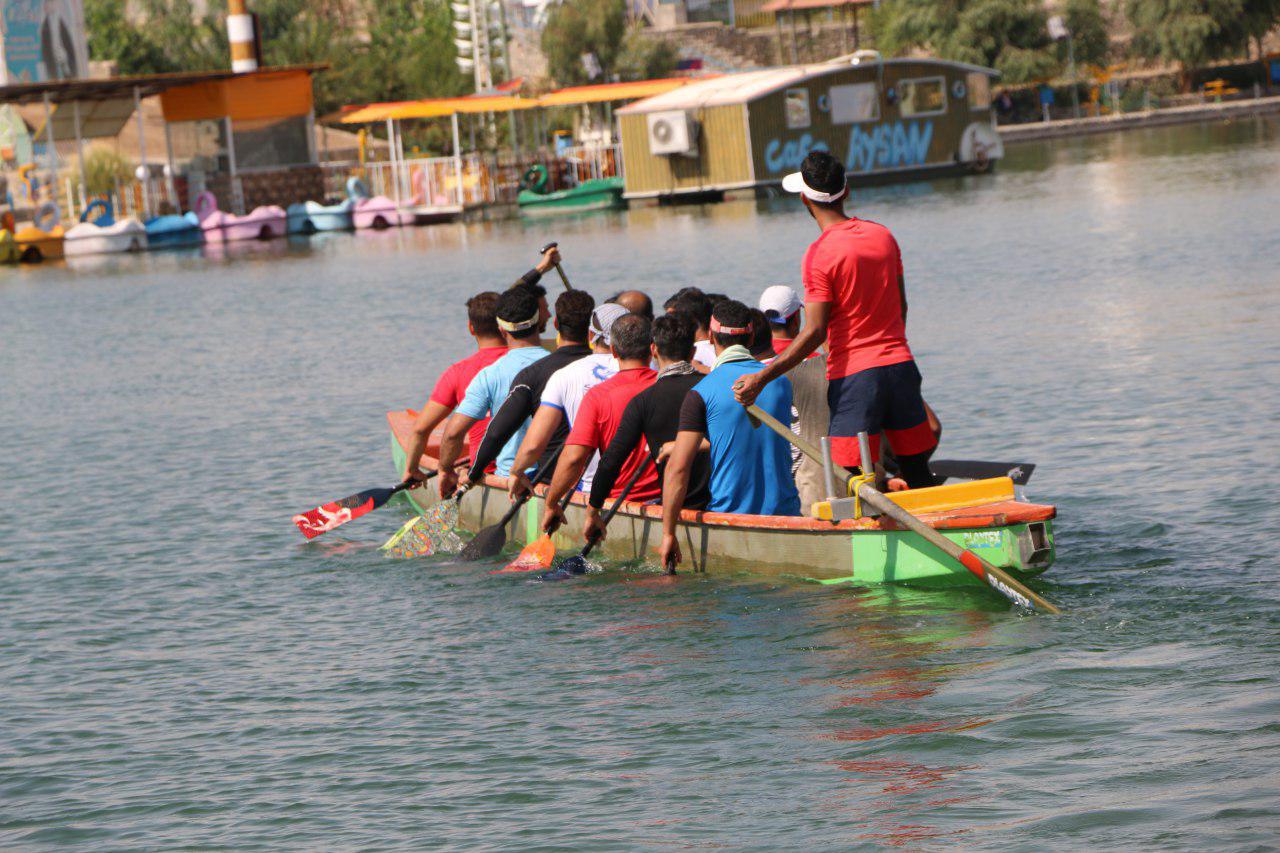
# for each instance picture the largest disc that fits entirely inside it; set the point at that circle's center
(747, 86)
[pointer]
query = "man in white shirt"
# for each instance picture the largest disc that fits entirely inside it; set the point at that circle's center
(563, 395)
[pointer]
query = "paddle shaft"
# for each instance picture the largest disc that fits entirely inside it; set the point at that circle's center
(995, 577)
(613, 510)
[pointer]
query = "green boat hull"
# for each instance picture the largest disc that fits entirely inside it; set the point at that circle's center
(595, 194)
(759, 545)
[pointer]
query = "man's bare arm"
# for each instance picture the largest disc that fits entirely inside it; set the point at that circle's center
(428, 419)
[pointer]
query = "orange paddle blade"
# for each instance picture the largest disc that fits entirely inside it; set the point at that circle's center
(536, 556)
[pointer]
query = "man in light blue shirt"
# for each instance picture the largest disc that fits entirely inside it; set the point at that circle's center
(520, 320)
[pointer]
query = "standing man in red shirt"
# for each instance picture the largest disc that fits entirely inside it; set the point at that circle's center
(598, 418)
(482, 323)
(855, 300)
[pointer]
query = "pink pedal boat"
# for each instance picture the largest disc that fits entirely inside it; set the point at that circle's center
(262, 223)
(377, 211)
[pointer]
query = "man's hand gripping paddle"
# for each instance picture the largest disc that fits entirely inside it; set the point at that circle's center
(563, 277)
(490, 540)
(577, 564)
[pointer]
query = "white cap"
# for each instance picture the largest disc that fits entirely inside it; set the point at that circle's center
(603, 318)
(779, 302)
(794, 183)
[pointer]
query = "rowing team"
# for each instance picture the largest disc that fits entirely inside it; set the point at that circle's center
(658, 405)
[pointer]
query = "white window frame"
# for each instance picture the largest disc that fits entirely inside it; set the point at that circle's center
(942, 84)
(808, 108)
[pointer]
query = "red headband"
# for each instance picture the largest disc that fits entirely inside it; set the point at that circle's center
(728, 330)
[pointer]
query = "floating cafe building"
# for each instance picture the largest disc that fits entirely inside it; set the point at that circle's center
(244, 156)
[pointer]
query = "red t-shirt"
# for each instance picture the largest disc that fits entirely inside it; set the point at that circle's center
(597, 423)
(855, 266)
(452, 386)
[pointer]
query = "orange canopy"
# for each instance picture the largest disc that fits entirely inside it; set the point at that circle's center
(263, 95)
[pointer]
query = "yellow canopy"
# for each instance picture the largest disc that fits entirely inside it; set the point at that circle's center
(575, 95)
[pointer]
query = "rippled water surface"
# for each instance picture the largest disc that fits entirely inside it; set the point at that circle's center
(178, 669)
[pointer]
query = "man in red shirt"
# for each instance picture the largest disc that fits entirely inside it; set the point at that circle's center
(597, 422)
(855, 300)
(482, 323)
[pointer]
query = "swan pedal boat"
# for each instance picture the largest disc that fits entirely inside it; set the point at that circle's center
(174, 229)
(261, 223)
(89, 238)
(36, 244)
(984, 516)
(310, 217)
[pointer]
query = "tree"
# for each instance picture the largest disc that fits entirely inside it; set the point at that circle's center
(1008, 35)
(579, 27)
(1088, 27)
(1188, 33)
(645, 58)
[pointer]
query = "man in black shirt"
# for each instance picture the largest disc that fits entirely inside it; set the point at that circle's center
(573, 315)
(653, 416)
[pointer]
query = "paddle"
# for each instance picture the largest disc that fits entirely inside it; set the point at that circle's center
(995, 577)
(538, 554)
(490, 540)
(973, 469)
(328, 516)
(577, 564)
(563, 277)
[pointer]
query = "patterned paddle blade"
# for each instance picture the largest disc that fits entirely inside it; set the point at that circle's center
(536, 556)
(418, 538)
(328, 516)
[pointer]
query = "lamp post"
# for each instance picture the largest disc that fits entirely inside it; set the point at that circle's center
(1058, 31)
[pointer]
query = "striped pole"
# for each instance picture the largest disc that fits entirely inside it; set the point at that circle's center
(240, 33)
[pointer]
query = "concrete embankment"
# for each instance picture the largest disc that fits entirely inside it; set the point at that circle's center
(1150, 118)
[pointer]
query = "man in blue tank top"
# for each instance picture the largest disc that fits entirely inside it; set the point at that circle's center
(750, 467)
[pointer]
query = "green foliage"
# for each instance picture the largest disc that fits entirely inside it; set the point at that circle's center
(1088, 27)
(576, 27)
(1008, 35)
(103, 168)
(1186, 32)
(645, 58)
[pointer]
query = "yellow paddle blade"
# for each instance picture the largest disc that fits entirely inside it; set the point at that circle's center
(536, 556)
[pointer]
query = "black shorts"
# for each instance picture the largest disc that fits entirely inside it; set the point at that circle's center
(878, 400)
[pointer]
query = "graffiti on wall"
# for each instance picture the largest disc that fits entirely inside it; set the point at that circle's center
(787, 156)
(889, 146)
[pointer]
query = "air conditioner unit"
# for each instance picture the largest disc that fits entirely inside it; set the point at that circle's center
(673, 132)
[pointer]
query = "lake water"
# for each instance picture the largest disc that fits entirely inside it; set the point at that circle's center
(178, 669)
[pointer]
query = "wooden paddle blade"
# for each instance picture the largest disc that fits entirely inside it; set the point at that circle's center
(328, 516)
(537, 555)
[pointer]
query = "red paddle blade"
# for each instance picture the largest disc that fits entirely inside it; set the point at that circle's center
(536, 556)
(326, 517)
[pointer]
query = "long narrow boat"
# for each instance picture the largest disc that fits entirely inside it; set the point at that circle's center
(984, 516)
